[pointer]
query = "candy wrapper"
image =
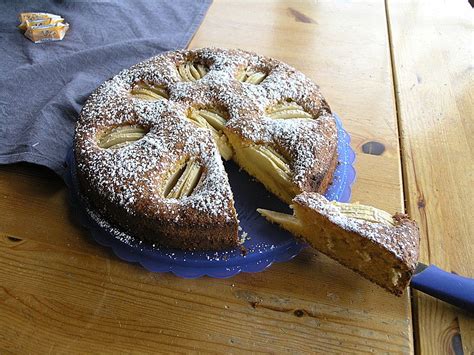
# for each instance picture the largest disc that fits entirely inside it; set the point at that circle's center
(28, 19)
(40, 22)
(43, 27)
(46, 33)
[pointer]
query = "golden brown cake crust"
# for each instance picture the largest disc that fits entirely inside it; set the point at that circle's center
(123, 184)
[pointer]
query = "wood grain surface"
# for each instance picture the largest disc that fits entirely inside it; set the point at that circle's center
(433, 48)
(61, 292)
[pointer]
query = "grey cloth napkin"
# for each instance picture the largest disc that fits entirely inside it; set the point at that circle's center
(43, 86)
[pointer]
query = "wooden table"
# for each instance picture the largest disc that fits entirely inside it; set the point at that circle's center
(399, 73)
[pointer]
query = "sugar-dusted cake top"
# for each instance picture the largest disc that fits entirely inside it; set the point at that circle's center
(162, 118)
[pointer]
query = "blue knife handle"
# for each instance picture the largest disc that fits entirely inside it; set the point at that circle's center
(454, 289)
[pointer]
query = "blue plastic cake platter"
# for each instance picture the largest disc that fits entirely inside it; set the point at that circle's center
(264, 243)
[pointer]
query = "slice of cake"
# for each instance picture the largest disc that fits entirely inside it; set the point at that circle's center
(380, 247)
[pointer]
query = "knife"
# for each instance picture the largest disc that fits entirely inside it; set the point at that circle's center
(452, 288)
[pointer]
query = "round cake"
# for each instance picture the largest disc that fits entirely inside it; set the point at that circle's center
(150, 141)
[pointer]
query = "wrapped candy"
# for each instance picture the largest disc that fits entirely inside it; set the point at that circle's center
(43, 27)
(45, 33)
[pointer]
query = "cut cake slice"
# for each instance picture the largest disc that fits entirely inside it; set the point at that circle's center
(380, 247)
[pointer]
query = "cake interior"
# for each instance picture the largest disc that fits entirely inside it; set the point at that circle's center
(267, 166)
(351, 249)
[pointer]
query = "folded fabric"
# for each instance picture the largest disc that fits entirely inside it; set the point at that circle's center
(43, 86)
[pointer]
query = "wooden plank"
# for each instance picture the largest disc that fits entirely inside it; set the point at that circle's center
(432, 48)
(60, 292)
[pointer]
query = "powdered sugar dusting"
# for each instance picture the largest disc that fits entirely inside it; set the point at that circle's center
(131, 177)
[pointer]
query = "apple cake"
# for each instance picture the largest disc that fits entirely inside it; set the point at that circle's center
(381, 247)
(149, 143)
